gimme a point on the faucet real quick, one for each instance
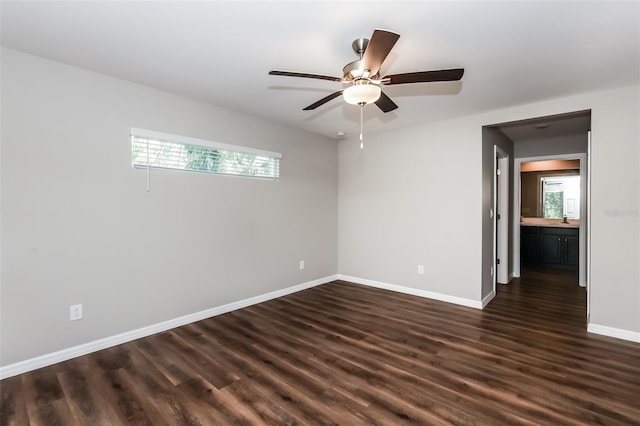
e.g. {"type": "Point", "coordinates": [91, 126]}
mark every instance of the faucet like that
{"type": "Point", "coordinates": [564, 219]}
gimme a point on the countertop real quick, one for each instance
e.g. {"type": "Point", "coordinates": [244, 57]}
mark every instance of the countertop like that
{"type": "Point", "coordinates": [552, 223]}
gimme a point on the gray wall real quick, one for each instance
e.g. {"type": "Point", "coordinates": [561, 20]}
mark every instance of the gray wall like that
{"type": "Point", "coordinates": [79, 227]}
{"type": "Point", "coordinates": [412, 197]}
{"type": "Point", "coordinates": [415, 196]}
{"type": "Point", "coordinates": [550, 146]}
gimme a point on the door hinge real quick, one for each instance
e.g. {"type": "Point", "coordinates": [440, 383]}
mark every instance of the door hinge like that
{"type": "Point", "coordinates": [498, 216]}
{"type": "Point", "coordinates": [497, 261]}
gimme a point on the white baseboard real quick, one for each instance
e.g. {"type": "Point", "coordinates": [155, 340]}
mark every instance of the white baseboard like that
{"type": "Point", "coordinates": [618, 333]}
{"type": "Point", "coordinates": [415, 292]}
{"type": "Point", "coordinates": [87, 348]}
{"type": "Point", "coordinates": [488, 298]}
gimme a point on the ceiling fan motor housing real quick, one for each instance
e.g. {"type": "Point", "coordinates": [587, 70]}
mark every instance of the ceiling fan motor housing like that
{"type": "Point", "coordinates": [353, 71]}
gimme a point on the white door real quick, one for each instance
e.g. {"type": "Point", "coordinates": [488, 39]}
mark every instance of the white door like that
{"type": "Point", "coordinates": [501, 216]}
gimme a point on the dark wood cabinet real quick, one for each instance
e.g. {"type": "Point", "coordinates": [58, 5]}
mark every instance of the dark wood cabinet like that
{"type": "Point", "coordinates": [551, 249]}
{"type": "Point", "coordinates": [549, 246]}
{"type": "Point", "coordinates": [571, 250]}
{"type": "Point", "coordinates": [529, 245]}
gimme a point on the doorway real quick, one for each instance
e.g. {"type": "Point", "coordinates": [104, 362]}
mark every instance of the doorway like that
{"type": "Point", "coordinates": [561, 136]}
{"type": "Point", "coordinates": [579, 222]}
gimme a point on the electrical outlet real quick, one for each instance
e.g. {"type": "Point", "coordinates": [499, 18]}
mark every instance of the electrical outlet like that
{"type": "Point", "coordinates": [75, 312]}
{"type": "Point", "coordinates": [420, 269]}
{"type": "Point", "coordinates": [301, 264]}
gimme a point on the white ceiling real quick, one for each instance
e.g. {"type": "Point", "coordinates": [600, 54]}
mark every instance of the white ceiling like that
{"type": "Point", "coordinates": [220, 52]}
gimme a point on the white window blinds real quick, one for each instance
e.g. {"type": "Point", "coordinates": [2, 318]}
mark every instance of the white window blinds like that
{"type": "Point", "coordinates": [156, 150]}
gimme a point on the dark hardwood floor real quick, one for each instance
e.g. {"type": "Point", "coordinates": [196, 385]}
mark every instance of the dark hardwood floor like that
{"type": "Point", "coordinates": [346, 354]}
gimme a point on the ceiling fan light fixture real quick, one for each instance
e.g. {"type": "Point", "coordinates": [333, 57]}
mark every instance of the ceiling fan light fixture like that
{"type": "Point", "coordinates": [361, 94]}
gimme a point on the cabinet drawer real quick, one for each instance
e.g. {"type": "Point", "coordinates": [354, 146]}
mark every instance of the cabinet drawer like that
{"type": "Point", "coordinates": [529, 230]}
{"type": "Point", "coordinates": [569, 232]}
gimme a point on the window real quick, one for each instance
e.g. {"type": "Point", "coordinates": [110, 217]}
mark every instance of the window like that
{"type": "Point", "coordinates": [156, 150]}
{"type": "Point", "coordinates": [553, 204]}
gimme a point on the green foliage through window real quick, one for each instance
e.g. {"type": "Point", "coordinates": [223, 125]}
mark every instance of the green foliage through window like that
{"type": "Point", "coordinates": [181, 156]}
{"type": "Point", "coordinates": [553, 205]}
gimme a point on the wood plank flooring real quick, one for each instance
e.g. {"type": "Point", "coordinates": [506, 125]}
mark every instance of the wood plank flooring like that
{"type": "Point", "coordinates": [346, 354]}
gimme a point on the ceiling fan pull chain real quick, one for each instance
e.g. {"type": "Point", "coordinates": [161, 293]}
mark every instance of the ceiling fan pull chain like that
{"type": "Point", "coordinates": [361, 115]}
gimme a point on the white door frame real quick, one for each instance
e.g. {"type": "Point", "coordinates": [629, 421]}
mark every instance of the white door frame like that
{"type": "Point", "coordinates": [501, 209]}
{"type": "Point", "coordinates": [584, 213]}
{"type": "Point", "coordinates": [588, 223]}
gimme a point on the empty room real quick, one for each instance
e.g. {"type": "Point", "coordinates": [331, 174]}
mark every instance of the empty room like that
{"type": "Point", "coordinates": [318, 212]}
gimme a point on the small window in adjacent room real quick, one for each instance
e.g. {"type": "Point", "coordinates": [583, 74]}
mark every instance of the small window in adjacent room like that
{"type": "Point", "coordinates": [156, 150]}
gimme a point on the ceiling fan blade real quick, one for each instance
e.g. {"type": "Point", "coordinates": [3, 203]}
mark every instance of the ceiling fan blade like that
{"type": "Point", "coordinates": [385, 103]}
{"type": "Point", "coordinates": [305, 75]}
{"type": "Point", "coordinates": [323, 101]}
{"type": "Point", "coordinates": [424, 76]}
{"type": "Point", "coordinates": [377, 50]}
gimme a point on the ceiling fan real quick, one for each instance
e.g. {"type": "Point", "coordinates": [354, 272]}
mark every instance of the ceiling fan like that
{"type": "Point", "coordinates": [363, 75]}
